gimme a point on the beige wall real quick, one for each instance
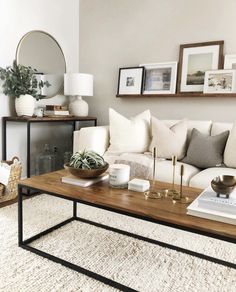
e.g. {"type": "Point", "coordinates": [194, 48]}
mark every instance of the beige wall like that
{"type": "Point", "coordinates": [120, 33]}
{"type": "Point", "coordinates": [60, 19]}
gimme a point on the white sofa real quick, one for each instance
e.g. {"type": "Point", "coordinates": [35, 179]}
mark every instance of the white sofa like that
{"type": "Point", "coordinates": [97, 139]}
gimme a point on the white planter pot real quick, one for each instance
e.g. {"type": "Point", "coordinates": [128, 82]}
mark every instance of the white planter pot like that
{"type": "Point", "coordinates": [25, 105]}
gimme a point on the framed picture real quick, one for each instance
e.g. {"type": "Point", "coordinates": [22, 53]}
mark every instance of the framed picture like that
{"type": "Point", "coordinates": [220, 81]}
{"type": "Point", "coordinates": [194, 61]}
{"type": "Point", "coordinates": [230, 62]}
{"type": "Point", "coordinates": [130, 80]}
{"type": "Point", "coordinates": [160, 78]}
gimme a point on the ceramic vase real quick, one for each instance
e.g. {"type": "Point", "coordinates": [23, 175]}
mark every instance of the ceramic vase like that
{"type": "Point", "coordinates": [79, 107]}
{"type": "Point", "coordinates": [24, 105]}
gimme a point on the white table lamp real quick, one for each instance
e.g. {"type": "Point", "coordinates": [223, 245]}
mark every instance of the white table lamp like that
{"type": "Point", "coordinates": [78, 84]}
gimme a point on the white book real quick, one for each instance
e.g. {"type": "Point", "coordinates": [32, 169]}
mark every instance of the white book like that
{"type": "Point", "coordinates": [196, 209]}
{"type": "Point", "coordinates": [83, 182]}
{"type": "Point", "coordinates": [209, 200]}
{"type": "Point", "coordinates": [56, 113]}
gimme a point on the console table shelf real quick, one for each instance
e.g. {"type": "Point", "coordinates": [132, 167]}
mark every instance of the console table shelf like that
{"type": "Point", "coordinates": [33, 120]}
{"type": "Point", "coordinates": [190, 94]}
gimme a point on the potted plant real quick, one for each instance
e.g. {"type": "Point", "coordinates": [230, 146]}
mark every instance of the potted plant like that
{"type": "Point", "coordinates": [21, 83]}
{"type": "Point", "coordinates": [85, 164]}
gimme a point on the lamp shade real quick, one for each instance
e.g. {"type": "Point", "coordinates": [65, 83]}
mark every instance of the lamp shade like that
{"type": "Point", "coordinates": [78, 84]}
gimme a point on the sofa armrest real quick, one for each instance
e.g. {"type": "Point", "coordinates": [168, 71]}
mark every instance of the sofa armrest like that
{"type": "Point", "coordinates": [92, 138]}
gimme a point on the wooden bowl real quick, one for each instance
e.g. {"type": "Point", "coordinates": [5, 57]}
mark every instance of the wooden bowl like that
{"type": "Point", "coordinates": [86, 173]}
{"type": "Point", "coordinates": [223, 184]}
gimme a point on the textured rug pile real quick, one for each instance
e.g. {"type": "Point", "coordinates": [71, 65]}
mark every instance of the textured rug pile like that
{"type": "Point", "coordinates": [140, 265]}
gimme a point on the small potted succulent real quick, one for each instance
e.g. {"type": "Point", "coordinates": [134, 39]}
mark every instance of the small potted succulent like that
{"type": "Point", "coordinates": [21, 82]}
{"type": "Point", "coordinates": [86, 164]}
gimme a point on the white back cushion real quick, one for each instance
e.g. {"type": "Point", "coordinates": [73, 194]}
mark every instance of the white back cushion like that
{"type": "Point", "coordinates": [202, 126]}
{"type": "Point", "coordinates": [230, 149]}
{"type": "Point", "coordinates": [129, 135]}
{"type": "Point", "coordinates": [169, 140]}
{"type": "Point", "coordinates": [218, 128]}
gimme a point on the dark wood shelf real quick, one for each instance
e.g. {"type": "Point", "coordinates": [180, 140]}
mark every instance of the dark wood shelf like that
{"type": "Point", "coordinates": [49, 119]}
{"type": "Point", "coordinates": [187, 94]}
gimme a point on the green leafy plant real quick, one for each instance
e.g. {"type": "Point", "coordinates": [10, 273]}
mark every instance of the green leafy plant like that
{"type": "Point", "coordinates": [87, 160]}
{"type": "Point", "coordinates": [20, 80]}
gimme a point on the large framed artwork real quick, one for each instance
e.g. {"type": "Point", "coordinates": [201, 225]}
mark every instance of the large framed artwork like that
{"type": "Point", "coordinates": [160, 78]}
{"type": "Point", "coordinates": [194, 61]}
{"type": "Point", "coordinates": [130, 80]}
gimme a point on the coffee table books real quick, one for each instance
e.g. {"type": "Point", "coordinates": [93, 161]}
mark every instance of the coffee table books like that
{"type": "Point", "coordinates": [83, 182]}
{"type": "Point", "coordinates": [207, 205]}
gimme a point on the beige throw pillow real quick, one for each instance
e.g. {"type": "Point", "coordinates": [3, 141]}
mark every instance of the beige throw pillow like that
{"type": "Point", "coordinates": [129, 135]}
{"type": "Point", "coordinates": [230, 149]}
{"type": "Point", "coordinates": [169, 141]}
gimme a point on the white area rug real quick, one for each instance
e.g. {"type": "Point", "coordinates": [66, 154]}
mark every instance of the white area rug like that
{"type": "Point", "coordinates": [140, 265]}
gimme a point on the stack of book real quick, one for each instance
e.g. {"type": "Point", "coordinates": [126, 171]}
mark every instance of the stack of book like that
{"type": "Point", "coordinates": [83, 182]}
{"type": "Point", "coordinates": [209, 206]}
{"type": "Point", "coordinates": [56, 110]}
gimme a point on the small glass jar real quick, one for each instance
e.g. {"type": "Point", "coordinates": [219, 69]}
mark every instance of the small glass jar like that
{"type": "Point", "coordinates": [119, 175]}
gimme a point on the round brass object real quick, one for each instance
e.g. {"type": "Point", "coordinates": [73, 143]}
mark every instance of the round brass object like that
{"type": "Point", "coordinates": [223, 185]}
{"type": "Point", "coordinates": [86, 173]}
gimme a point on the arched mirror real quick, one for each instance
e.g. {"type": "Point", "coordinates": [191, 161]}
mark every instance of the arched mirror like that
{"type": "Point", "coordinates": [42, 52]}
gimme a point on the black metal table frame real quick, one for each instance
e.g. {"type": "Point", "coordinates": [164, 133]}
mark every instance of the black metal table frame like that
{"type": "Point", "coordinates": [28, 135]}
{"type": "Point", "coordinates": [25, 243]}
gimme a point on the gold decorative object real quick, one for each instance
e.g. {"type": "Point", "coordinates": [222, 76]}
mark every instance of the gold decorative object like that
{"type": "Point", "coordinates": [179, 196]}
{"type": "Point", "coordinates": [173, 192]}
{"type": "Point", "coordinates": [223, 185]}
{"type": "Point", "coordinates": [152, 194]}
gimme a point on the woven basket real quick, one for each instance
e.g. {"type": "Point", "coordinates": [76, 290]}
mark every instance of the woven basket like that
{"type": "Point", "coordinates": [9, 192]}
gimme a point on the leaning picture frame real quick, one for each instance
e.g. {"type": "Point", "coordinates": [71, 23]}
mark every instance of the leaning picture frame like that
{"type": "Point", "coordinates": [194, 60]}
{"type": "Point", "coordinates": [160, 78]}
{"type": "Point", "coordinates": [220, 81]}
{"type": "Point", "coordinates": [130, 81]}
{"type": "Point", "coordinates": [230, 62]}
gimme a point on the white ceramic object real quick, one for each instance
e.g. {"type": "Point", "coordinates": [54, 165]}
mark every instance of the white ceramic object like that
{"type": "Point", "coordinates": [78, 107]}
{"type": "Point", "coordinates": [24, 105]}
{"type": "Point", "coordinates": [119, 175]}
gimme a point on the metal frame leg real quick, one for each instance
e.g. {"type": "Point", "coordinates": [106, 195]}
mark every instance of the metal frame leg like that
{"type": "Point", "coordinates": [4, 139]}
{"type": "Point", "coordinates": [20, 216]}
{"type": "Point", "coordinates": [25, 244]}
{"type": "Point", "coordinates": [28, 149]}
{"type": "Point", "coordinates": [74, 209]}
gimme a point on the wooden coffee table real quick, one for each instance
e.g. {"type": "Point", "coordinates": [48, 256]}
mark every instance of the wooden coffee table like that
{"type": "Point", "coordinates": [124, 202]}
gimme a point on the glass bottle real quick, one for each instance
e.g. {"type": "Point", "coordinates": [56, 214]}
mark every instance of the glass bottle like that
{"type": "Point", "coordinates": [45, 161]}
{"type": "Point", "coordinates": [67, 156]}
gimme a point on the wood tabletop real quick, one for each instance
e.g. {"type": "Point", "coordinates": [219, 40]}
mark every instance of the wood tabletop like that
{"type": "Point", "coordinates": [49, 119]}
{"type": "Point", "coordinates": [133, 203]}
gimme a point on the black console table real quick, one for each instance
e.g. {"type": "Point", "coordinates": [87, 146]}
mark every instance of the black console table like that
{"type": "Point", "coordinates": [31, 120]}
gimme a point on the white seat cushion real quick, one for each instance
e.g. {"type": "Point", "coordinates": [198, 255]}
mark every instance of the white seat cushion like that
{"type": "Point", "coordinates": [204, 178]}
{"type": "Point", "coordinates": [164, 167]}
{"type": "Point", "coordinates": [164, 171]}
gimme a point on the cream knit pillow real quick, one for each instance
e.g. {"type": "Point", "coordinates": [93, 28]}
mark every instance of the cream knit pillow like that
{"type": "Point", "coordinates": [129, 135]}
{"type": "Point", "coordinates": [169, 141]}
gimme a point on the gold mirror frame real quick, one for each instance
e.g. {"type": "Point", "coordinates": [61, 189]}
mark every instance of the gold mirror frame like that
{"type": "Point", "coordinates": [59, 87]}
